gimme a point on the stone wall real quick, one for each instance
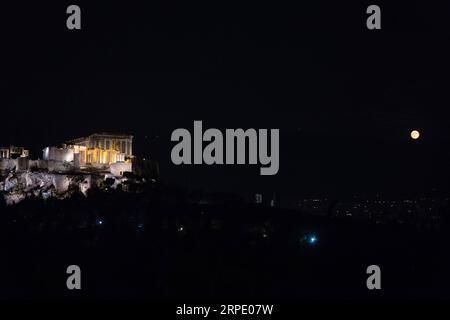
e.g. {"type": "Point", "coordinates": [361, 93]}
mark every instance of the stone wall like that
{"type": "Point", "coordinates": [22, 163]}
{"type": "Point", "coordinates": [59, 166]}
{"type": "Point", "coordinates": [118, 169]}
{"type": "Point", "coordinates": [58, 154]}
{"type": "Point", "coordinates": [7, 164]}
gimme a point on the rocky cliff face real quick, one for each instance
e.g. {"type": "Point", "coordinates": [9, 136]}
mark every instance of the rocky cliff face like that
{"type": "Point", "coordinates": [17, 186]}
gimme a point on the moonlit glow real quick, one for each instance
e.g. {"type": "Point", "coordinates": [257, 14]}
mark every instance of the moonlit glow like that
{"type": "Point", "coordinates": [415, 134]}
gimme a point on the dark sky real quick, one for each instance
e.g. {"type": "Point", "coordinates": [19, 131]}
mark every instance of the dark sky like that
{"type": "Point", "coordinates": [343, 97]}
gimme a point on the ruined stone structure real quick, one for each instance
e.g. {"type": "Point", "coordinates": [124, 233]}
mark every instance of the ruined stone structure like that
{"type": "Point", "coordinates": [78, 164]}
{"type": "Point", "coordinates": [13, 152]}
{"type": "Point", "coordinates": [102, 151]}
{"type": "Point", "coordinates": [103, 148]}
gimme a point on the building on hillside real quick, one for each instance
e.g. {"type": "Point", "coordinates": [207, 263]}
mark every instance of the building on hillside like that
{"type": "Point", "coordinates": [103, 148]}
{"type": "Point", "coordinates": [101, 151]}
{"type": "Point", "coordinates": [13, 152]}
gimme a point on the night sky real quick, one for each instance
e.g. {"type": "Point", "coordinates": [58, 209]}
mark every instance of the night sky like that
{"type": "Point", "coordinates": [344, 98]}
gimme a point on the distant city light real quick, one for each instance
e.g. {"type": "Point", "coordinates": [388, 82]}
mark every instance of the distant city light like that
{"type": "Point", "coordinates": [309, 239]}
{"type": "Point", "coordinates": [99, 222]}
{"type": "Point", "coordinates": [140, 228]}
{"type": "Point", "coordinates": [312, 239]}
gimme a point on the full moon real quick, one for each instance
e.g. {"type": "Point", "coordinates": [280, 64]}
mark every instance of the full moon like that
{"type": "Point", "coordinates": [415, 134]}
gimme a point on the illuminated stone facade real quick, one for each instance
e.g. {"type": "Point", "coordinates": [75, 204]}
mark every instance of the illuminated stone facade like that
{"type": "Point", "coordinates": [100, 151]}
{"type": "Point", "coordinates": [103, 149]}
{"type": "Point", "coordinates": [13, 152]}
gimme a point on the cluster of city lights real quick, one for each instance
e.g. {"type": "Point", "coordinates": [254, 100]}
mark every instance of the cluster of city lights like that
{"type": "Point", "coordinates": [310, 239]}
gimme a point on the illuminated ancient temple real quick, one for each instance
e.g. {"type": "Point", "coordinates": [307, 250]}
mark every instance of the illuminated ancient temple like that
{"type": "Point", "coordinates": [101, 151]}
{"type": "Point", "coordinates": [103, 148]}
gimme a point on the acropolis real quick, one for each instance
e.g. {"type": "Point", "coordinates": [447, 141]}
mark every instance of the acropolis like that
{"type": "Point", "coordinates": [98, 152]}
{"type": "Point", "coordinates": [78, 164]}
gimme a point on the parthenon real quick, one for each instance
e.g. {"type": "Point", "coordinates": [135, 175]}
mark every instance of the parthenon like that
{"type": "Point", "coordinates": [103, 148]}
{"type": "Point", "coordinates": [101, 152]}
